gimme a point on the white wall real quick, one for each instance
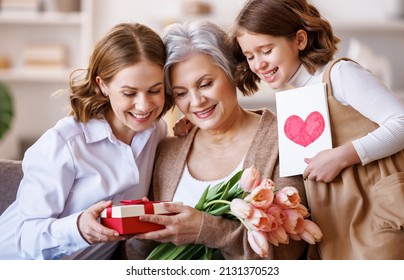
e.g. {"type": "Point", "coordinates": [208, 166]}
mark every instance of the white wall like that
{"type": "Point", "coordinates": [348, 10]}
{"type": "Point", "coordinates": [343, 14]}
{"type": "Point", "coordinates": [386, 39]}
{"type": "Point", "coordinates": [372, 23]}
{"type": "Point", "coordinates": [154, 13]}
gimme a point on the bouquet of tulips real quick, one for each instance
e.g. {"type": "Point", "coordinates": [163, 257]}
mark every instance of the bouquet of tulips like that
{"type": "Point", "coordinates": [270, 216]}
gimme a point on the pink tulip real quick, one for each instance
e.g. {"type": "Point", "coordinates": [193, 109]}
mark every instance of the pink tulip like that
{"type": "Point", "coordinates": [311, 232]}
{"type": "Point", "coordinates": [288, 197]}
{"type": "Point", "coordinates": [295, 237]}
{"type": "Point", "coordinates": [240, 208]}
{"type": "Point", "coordinates": [258, 242]}
{"type": "Point", "coordinates": [293, 222]}
{"type": "Point", "coordinates": [250, 179]}
{"type": "Point", "coordinates": [272, 239]}
{"type": "Point", "coordinates": [278, 236]}
{"type": "Point", "coordinates": [275, 211]}
{"type": "Point", "coordinates": [302, 210]}
{"type": "Point", "coordinates": [268, 182]}
{"type": "Point", "coordinates": [258, 220]}
{"type": "Point", "coordinates": [271, 224]}
{"type": "Point", "coordinates": [261, 196]}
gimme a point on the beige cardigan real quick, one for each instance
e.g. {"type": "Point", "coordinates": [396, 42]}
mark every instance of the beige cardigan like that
{"type": "Point", "coordinates": [229, 236]}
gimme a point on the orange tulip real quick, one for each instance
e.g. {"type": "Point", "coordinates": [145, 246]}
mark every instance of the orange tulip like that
{"type": "Point", "coordinates": [250, 179]}
{"type": "Point", "coordinates": [258, 242]}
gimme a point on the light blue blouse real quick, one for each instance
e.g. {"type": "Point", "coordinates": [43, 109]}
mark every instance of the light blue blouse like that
{"type": "Point", "coordinates": [71, 167]}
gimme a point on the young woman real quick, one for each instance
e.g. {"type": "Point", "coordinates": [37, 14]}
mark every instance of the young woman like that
{"type": "Point", "coordinates": [225, 139]}
{"type": "Point", "coordinates": [356, 189]}
{"type": "Point", "coordinates": [101, 154]}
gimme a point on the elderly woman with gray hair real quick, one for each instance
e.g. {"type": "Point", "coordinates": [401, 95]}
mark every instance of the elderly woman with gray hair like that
{"type": "Point", "coordinates": [225, 139]}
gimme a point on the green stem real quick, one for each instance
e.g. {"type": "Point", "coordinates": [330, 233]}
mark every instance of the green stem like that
{"type": "Point", "coordinates": [228, 212]}
{"type": "Point", "coordinates": [241, 220]}
{"type": "Point", "coordinates": [217, 201]}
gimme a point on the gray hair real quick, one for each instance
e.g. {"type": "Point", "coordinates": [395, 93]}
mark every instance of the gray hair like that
{"type": "Point", "coordinates": [203, 37]}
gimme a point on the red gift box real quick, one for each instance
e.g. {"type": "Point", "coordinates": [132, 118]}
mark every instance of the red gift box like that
{"type": "Point", "coordinates": [125, 218]}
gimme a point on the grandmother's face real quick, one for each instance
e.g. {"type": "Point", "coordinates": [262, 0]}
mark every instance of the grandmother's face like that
{"type": "Point", "coordinates": [203, 92]}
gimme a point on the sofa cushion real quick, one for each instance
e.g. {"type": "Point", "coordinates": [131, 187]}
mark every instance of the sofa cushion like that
{"type": "Point", "coordinates": [10, 177]}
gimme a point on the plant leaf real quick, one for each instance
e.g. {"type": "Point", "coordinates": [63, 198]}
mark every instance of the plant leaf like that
{"type": "Point", "coordinates": [6, 109]}
{"type": "Point", "coordinates": [162, 252]}
{"type": "Point", "coordinates": [191, 252]}
{"type": "Point", "coordinates": [199, 205]}
{"type": "Point", "coordinates": [221, 191]}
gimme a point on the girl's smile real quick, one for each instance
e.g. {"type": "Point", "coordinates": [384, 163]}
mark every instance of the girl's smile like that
{"type": "Point", "coordinates": [273, 59]}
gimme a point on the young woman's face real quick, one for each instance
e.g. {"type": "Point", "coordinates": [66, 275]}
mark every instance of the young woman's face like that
{"type": "Point", "coordinates": [203, 92]}
{"type": "Point", "coordinates": [136, 95]}
{"type": "Point", "coordinates": [273, 59]}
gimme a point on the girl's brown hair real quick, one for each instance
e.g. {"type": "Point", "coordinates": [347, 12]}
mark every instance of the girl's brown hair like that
{"type": "Point", "coordinates": [283, 18]}
{"type": "Point", "coordinates": [124, 45]}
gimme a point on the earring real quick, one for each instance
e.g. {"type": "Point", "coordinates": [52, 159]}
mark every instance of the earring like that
{"type": "Point", "coordinates": [105, 93]}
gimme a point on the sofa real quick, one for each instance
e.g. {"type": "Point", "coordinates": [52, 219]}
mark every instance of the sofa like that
{"type": "Point", "coordinates": [10, 177]}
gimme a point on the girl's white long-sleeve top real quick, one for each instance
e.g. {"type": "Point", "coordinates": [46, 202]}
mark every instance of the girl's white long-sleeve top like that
{"type": "Point", "coordinates": [71, 167]}
{"type": "Point", "coordinates": [354, 85]}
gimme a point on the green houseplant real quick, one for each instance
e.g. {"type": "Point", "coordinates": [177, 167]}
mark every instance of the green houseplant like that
{"type": "Point", "coordinates": [6, 109]}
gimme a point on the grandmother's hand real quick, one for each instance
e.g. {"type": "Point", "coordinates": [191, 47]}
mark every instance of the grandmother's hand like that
{"type": "Point", "coordinates": [182, 127]}
{"type": "Point", "coordinates": [181, 228]}
{"type": "Point", "coordinates": [91, 230]}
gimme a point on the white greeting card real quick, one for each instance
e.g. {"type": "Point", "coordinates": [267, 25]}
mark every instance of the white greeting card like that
{"type": "Point", "coordinates": [303, 126]}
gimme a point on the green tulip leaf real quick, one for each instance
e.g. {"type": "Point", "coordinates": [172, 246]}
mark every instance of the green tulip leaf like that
{"type": "Point", "coordinates": [225, 191]}
{"type": "Point", "coordinates": [6, 110]}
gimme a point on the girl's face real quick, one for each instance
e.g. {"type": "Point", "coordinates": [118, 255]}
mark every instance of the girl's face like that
{"type": "Point", "coordinates": [136, 95]}
{"type": "Point", "coordinates": [274, 59]}
{"type": "Point", "coordinates": [203, 92]}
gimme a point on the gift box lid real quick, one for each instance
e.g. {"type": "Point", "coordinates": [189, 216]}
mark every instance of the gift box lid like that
{"type": "Point", "coordinates": [136, 208]}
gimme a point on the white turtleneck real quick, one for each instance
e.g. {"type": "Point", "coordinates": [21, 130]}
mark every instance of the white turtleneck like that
{"type": "Point", "coordinates": [354, 85]}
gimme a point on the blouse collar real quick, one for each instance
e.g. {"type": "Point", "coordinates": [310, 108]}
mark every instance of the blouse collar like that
{"type": "Point", "coordinates": [300, 78]}
{"type": "Point", "coordinates": [99, 129]}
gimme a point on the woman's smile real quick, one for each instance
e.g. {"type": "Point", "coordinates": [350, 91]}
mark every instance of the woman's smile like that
{"type": "Point", "coordinates": [141, 117]}
{"type": "Point", "coordinates": [205, 113]}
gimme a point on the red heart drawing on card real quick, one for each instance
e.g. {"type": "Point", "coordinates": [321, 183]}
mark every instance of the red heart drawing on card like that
{"type": "Point", "coordinates": [304, 132]}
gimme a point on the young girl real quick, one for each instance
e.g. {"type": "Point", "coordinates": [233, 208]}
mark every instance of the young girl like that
{"type": "Point", "coordinates": [102, 153]}
{"type": "Point", "coordinates": [355, 190]}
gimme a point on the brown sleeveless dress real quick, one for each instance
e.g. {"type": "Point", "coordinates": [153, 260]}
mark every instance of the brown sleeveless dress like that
{"type": "Point", "coordinates": [361, 213]}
